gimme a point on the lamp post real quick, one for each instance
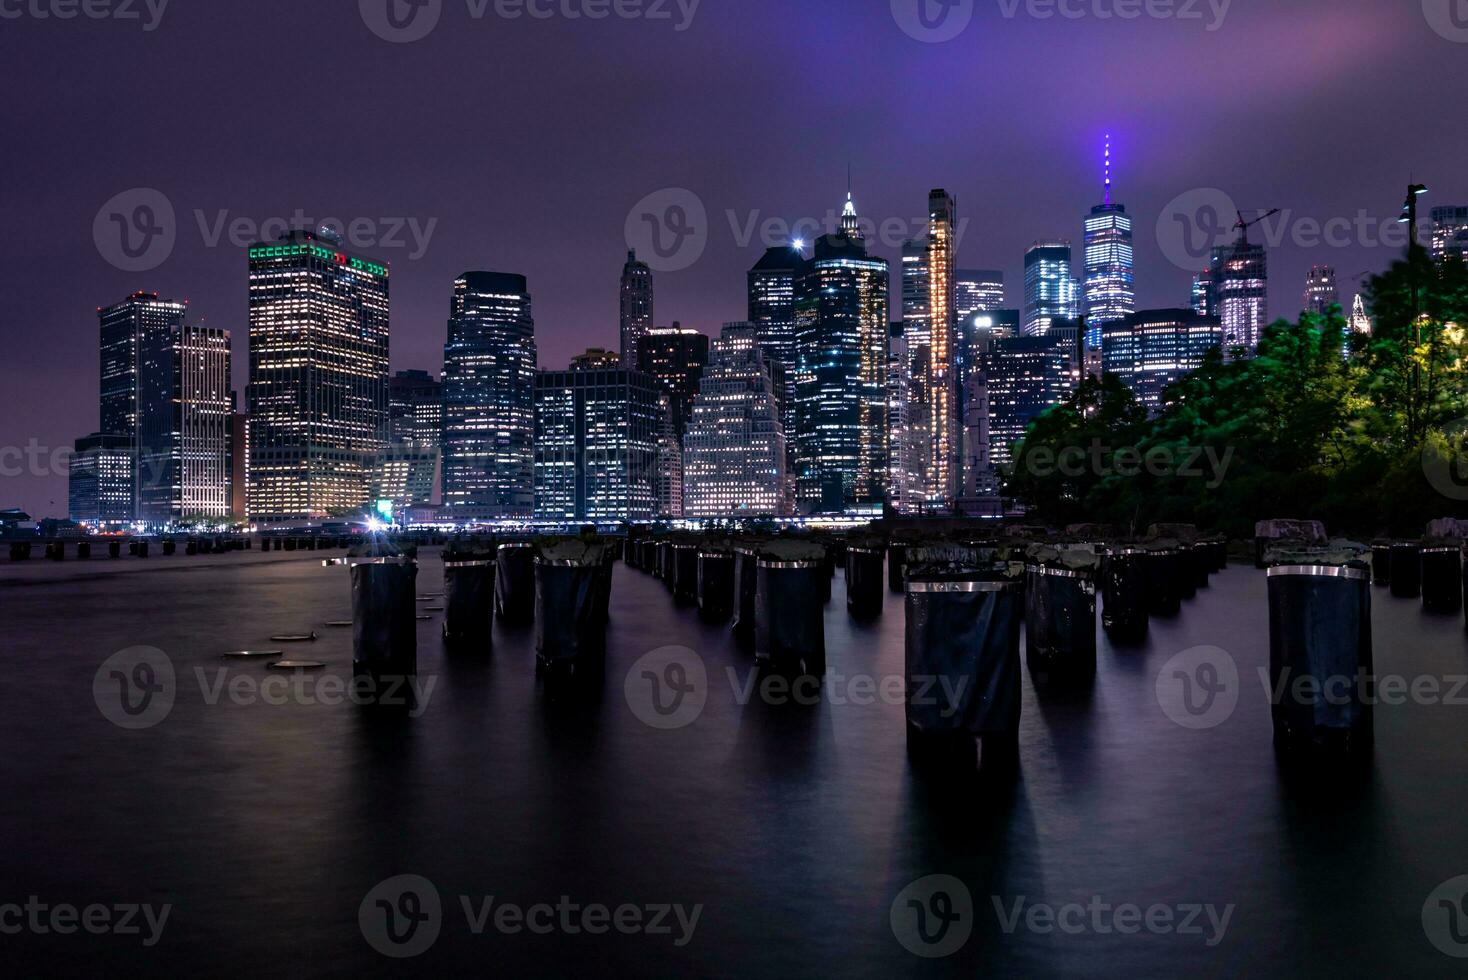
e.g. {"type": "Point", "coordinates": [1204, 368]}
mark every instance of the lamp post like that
{"type": "Point", "coordinates": [1409, 217]}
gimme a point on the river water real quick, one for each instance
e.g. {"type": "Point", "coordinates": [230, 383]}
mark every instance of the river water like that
{"type": "Point", "coordinates": [790, 828]}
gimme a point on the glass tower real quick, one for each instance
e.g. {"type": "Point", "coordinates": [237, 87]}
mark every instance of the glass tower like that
{"type": "Point", "coordinates": [636, 297]}
{"type": "Point", "coordinates": [1050, 287]}
{"type": "Point", "coordinates": [1153, 349]}
{"type": "Point", "coordinates": [942, 381]}
{"type": "Point", "coordinates": [1110, 290]}
{"type": "Point", "coordinates": [1240, 290]}
{"type": "Point", "coordinates": [489, 398]}
{"type": "Point", "coordinates": [185, 406]}
{"type": "Point", "coordinates": [318, 376]}
{"type": "Point", "coordinates": [1321, 292]}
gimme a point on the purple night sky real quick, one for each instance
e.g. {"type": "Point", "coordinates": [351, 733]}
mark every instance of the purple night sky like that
{"type": "Point", "coordinates": [526, 143]}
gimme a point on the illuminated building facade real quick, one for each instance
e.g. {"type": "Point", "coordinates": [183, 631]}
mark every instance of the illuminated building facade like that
{"type": "Point", "coordinates": [1203, 298]}
{"type": "Point", "coordinates": [675, 356]}
{"type": "Point", "coordinates": [489, 366]}
{"type": "Point", "coordinates": [100, 479]}
{"type": "Point", "coordinates": [912, 443]}
{"type": "Point", "coordinates": [734, 450]}
{"type": "Point", "coordinates": [1449, 232]}
{"type": "Point", "coordinates": [772, 310]}
{"type": "Point", "coordinates": [668, 479]}
{"type": "Point", "coordinates": [1110, 287]}
{"type": "Point", "coordinates": [185, 405]}
{"type": "Point", "coordinates": [1240, 275]}
{"type": "Point", "coordinates": [595, 441]}
{"type": "Point", "coordinates": [942, 363]}
{"type": "Point", "coordinates": [1024, 376]}
{"type": "Point", "coordinates": [1153, 349]}
{"type": "Point", "coordinates": [1050, 287]}
{"type": "Point", "coordinates": [841, 325]}
{"type": "Point", "coordinates": [977, 338]}
{"type": "Point", "coordinates": [899, 484]}
{"type": "Point", "coordinates": [977, 291]}
{"type": "Point", "coordinates": [637, 307]}
{"type": "Point", "coordinates": [318, 376]}
{"type": "Point", "coordinates": [1321, 291]}
{"type": "Point", "coordinates": [415, 408]}
{"type": "Point", "coordinates": [122, 327]}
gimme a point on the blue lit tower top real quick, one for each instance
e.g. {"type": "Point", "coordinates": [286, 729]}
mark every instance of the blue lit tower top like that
{"type": "Point", "coordinates": [1109, 284]}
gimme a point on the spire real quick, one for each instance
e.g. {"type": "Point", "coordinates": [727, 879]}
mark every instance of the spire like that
{"type": "Point", "coordinates": [1108, 170]}
{"type": "Point", "coordinates": [849, 223]}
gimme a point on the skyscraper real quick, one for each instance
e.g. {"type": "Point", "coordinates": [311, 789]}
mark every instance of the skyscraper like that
{"type": "Point", "coordinates": [1360, 321]}
{"type": "Point", "coordinates": [942, 382]}
{"type": "Point", "coordinates": [734, 451]}
{"type": "Point", "coordinates": [183, 427]}
{"type": "Point", "coordinates": [675, 356]}
{"type": "Point", "coordinates": [1110, 294]}
{"type": "Point", "coordinates": [595, 441]}
{"type": "Point", "coordinates": [100, 480]}
{"type": "Point", "coordinates": [489, 398]}
{"type": "Point", "coordinates": [637, 308]}
{"type": "Point", "coordinates": [977, 291]}
{"type": "Point", "coordinates": [841, 326]}
{"type": "Point", "coordinates": [1203, 299]}
{"type": "Point", "coordinates": [1449, 231]}
{"type": "Point", "coordinates": [122, 327]}
{"type": "Point", "coordinates": [981, 477]}
{"type": "Point", "coordinates": [415, 408]}
{"type": "Point", "coordinates": [1153, 349]}
{"type": "Point", "coordinates": [1321, 292]}
{"type": "Point", "coordinates": [772, 311]}
{"type": "Point", "coordinates": [1050, 287]}
{"type": "Point", "coordinates": [1240, 274]}
{"type": "Point", "coordinates": [668, 477]}
{"type": "Point", "coordinates": [1025, 376]}
{"type": "Point", "coordinates": [900, 488]}
{"type": "Point", "coordinates": [318, 376]}
{"type": "Point", "coordinates": [915, 438]}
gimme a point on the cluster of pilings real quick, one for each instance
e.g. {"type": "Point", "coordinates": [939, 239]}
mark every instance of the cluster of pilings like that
{"type": "Point", "coordinates": [82, 549]}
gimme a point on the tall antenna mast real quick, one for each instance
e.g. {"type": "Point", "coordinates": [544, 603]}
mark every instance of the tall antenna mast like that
{"type": "Point", "coordinates": [1108, 170]}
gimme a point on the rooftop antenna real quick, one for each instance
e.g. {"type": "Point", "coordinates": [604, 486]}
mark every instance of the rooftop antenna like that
{"type": "Point", "coordinates": [1108, 170]}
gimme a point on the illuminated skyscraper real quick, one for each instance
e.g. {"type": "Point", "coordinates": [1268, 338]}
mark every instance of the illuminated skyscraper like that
{"type": "Point", "coordinates": [1449, 232]}
{"type": "Point", "coordinates": [977, 291]}
{"type": "Point", "coordinates": [1153, 349]}
{"type": "Point", "coordinates": [1241, 287]}
{"type": "Point", "coordinates": [1024, 376]}
{"type": "Point", "coordinates": [915, 438]}
{"type": "Point", "coordinates": [981, 477]}
{"type": "Point", "coordinates": [183, 436]}
{"type": "Point", "coordinates": [1321, 292]}
{"type": "Point", "coordinates": [1110, 294]}
{"type": "Point", "coordinates": [415, 408]}
{"type": "Point", "coordinates": [900, 490]}
{"type": "Point", "coordinates": [734, 450]}
{"type": "Point", "coordinates": [122, 326]}
{"type": "Point", "coordinates": [1050, 287]}
{"type": "Point", "coordinates": [318, 376]}
{"type": "Point", "coordinates": [675, 356]}
{"type": "Point", "coordinates": [489, 398]}
{"type": "Point", "coordinates": [942, 382]}
{"type": "Point", "coordinates": [1203, 299]}
{"type": "Point", "coordinates": [595, 441]}
{"type": "Point", "coordinates": [772, 311]}
{"type": "Point", "coordinates": [841, 325]}
{"type": "Point", "coordinates": [101, 483]}
{"type": "Point", "coordinates": [637, 309]}
{"type": "Point", "coordinates": [1360, 321]}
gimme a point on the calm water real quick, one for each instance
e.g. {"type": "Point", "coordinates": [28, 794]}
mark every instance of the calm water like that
{"type": "Point", "coordinates": [795, 827]}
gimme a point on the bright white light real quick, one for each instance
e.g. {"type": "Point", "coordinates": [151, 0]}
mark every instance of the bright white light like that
{"type": "Point", "coordinates": [799, 244]}
{"type": "Point", "coordinates": [374, 525]}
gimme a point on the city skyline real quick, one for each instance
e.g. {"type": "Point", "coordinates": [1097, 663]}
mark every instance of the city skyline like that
{"type": "Point", "coordinates": [497, 211]}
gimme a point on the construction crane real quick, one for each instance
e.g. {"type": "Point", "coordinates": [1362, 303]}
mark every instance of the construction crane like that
{"type": "Point", "coordinates": [1243, 226]}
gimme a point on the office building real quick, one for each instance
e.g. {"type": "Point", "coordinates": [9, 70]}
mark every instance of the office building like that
{"type": "Point", "coordinates": [772, 310]}
{"type": "Point", "coordinates": [915, 445]}
{"type": "Point", "coordinates": [668, 476]}
{"type": "Point", "coordinates": [317, 398]}
{"type": "Point", "coordinates": [1154, 349]}
{"type": "Point", "coordinates": [841, 326]}
{"type": "Point", "coordinates": [415, 408]}
{"type": "Point", "coordinates": [636, 305]}
{"type": "Point", "coordinates": [977, 291]}
{"type": "Point", "coordinates": [1240, 290]}
{"type": "Point", "coordinates": [100, 480]}
{"type": "Point", "coordinates": [489, 367]}
{"type": "Point", "coordinates": [942, 362]}
{"type": "Point", "coordinates": [184, 411]}
{"type": "Point", "coordinates": [122, 325]}
{"type": "Point", "coordinates": [1203, 299]}
{"type": "Point", "coordinates": [1024, 376]}
{"type": "Point", "coordinates": [980, 474]}
{"type": "Point", "coordinates": [1321, 292]}
{"type": "Point", "coordinates": [734, 450]}
{"type": "Point", "coordinates": [596, 428]}
{"type": "Point", "coordinates": [675, 356]}
{"type": "Point", "coordinates": [1050, 287]}
{"type": "Point", "coordinates": [1449, 232]}
{"type": "Point", "coordinates": [1109, 285]}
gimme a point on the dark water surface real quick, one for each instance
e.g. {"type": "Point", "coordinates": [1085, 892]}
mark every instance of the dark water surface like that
{"type": "Point", "coordinates": [794, 827]}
